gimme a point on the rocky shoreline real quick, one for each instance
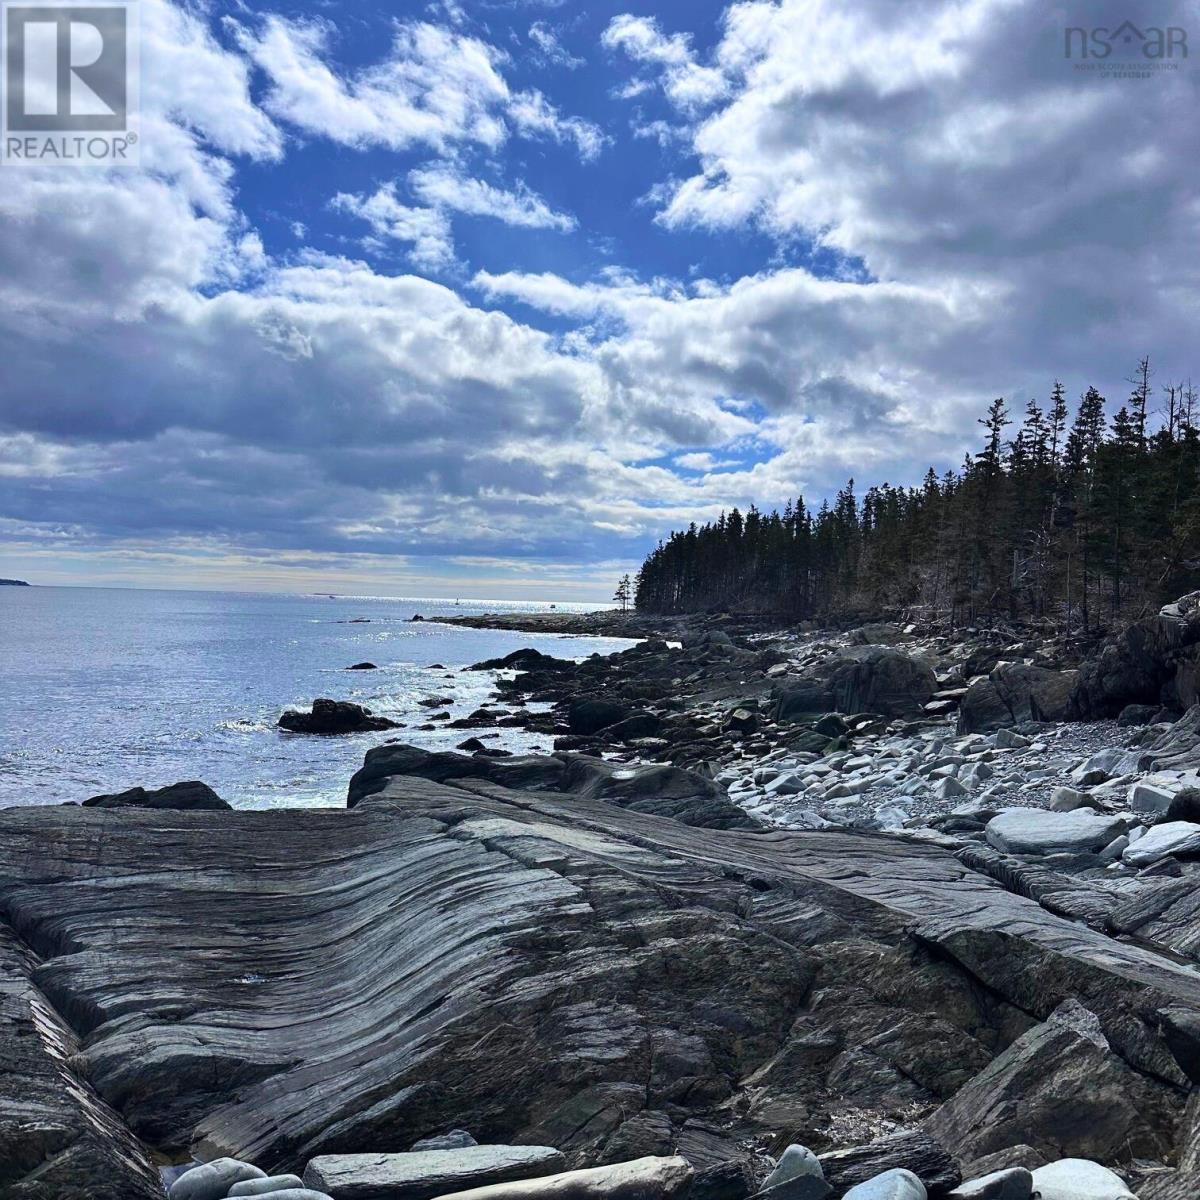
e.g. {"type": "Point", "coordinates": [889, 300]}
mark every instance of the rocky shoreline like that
{"type": "Point", "coordinates": [804, 916]}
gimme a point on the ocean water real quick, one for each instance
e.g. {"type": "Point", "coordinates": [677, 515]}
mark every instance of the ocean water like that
{"type": "Point", "coordinates": [106, 689]}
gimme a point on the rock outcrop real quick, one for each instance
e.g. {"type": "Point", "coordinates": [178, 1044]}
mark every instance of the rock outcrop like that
{"type": "Point", "coordinates": [1155, 661]}
{"type": "Point", "coordinates": [183, 797]}
{"type": "Point", "coordinates": [546, 967]}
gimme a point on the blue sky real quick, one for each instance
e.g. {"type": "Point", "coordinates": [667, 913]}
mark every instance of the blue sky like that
{"type": "Point", "coordinates": [483, 298]}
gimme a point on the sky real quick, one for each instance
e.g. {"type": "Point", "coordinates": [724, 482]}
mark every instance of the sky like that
{"type": "Point", "coordinates": [484, 298]}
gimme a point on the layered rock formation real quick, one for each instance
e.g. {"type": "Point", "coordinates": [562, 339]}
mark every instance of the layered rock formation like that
{"type": "Point", "coordinates": [544, 967]}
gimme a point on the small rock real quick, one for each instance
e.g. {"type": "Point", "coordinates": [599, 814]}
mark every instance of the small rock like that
{"type": "Point", "coordinates": [1065, 799]}
{"type": "Point", "coordinates": [213, 1180]}
{"type": "Point", "coordinates": [362, 666]}
{"type": "Point", "coordinates": [1013, 1184]}
{"type": "Point", "coordinates": [1078, 1179]}
{"type": "Point", "coordinates": [891, 1185]}
{"type": "Point", "coordinates": [948, 788]}
{"type": "Point", "coordinates": [456, 1139]}
{"type": "Point", "coordinates": [263, 1187]}
{"type": "Point", "coordinates": [1185, 806]}
{"type": "Point", "coordinates": [1150, 797]}
{"type": "Point", "coordinates": [1007, 740]}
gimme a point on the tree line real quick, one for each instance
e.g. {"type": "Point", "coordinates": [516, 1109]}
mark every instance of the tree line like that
{"type": "Point", "coordinates": [1069, 517]}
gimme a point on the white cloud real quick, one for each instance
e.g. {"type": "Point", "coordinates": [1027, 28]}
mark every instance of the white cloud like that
{"type": "Point", "coordinates": [550, 51]}
{"type": "Point", "coordinates": [689, 85]}
{"type": "Point", "coordinates": [427, 230]}
{"type": "Point", "coordinates": [438, 87]}
{"type": "Point", "coordinates": [444, 188]}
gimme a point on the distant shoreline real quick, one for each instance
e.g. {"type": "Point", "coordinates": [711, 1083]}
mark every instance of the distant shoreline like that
{"type": "Point", "coordinates": [13, 583]}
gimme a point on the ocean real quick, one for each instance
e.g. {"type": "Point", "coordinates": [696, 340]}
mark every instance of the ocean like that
{"type": "Point", "coordinates": [108, 689]}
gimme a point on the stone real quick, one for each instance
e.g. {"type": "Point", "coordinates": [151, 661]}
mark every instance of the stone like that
{"type": "Point", "coordinates": [429, 1173]}
{"type": "Point", "coordinates": [948, 788]}
{"type": "Point", "coordinates": [913, 1152]}
{"type": "Point", "coordinates": [1185, 806]}
{"type": "Point", "coordinates": [264, 1187]}
{"type": "Point", "coordinates": [796, 1161]}
{"type": "Point", "coordinates": [1006, 739]}
{"type": "Point", "coordinates": [213, 1180]}
{"type": "Point", "coordinates": [641, 1179]}
{"type": "Point", "coordinates": [1016, 1183]}
{"type": "Point", "coordinates": [1105, 765]}
{"type": "Point", "coordinates": [300, 1193]}
{"type": "Point", "coordinates": [741, 720]}
{"type": "Point", "coordinates": [1065, 799]}
{"type": "Point", "coordinates": [330, 717]}
{"type": "Point", "coordinates": [797, 700]}
{"type": "Point", "coordinates": [591, 716]}
{"type": "Point", "coordinates": [363, 666]}
{"type": "Point", "coordinates": [191, 796]}
{"type": "Point", "coordinates": [1177, 839]}
{"type": "Point", "coordinates": [831, 725]}
{"type": "Point", "coordinates": [1149, 797]}
{"type": "Point", "coordinates": [891, 1185]}
{"type": "Point", "coordinates": [636, 725]}
{"type": "Point", "coordinates": [456, 1139]}
{"type": "Point", "coordinates": [1077, 1179]}
{"type": "Point", "coordinates": [1032, 831]}
{"type": "Point", "coordinates": [1061, 1089]}
{"type": "Point", "coordinates": [1133, 715]}
{"type": "Point", "coordinates": [878, 679]}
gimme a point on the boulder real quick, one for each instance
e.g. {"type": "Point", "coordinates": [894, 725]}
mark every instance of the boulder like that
{"type": "Point", "coordinates": [1060, 1089]}
{"type": "Point", "coordinates": [191, 796]}
{"type": "Point", "coordinates": [1185, 806]}
{"type": "Point", "coordinates": [1015, 1183]}
{"type": "Point", "coordinates": [797, 1176]}
{"type": "Point", "coordinates": [429, 1173]}
{"type": "Point", "coordinates": [1033, 831]}
{"type": "Point", "coordinates": [1133, 715]}
{"type": "Point", "coordinates": [363, 666]}
{"type": "Point", "coordinates": [637, 725]}
{"type": "Point", "coordinates": [1015, 693]}
{"type": "Point", "coordinates": [891, 1185]}
{"type": "Point", "coordinates": [334, 717]}
{"type": "Point", "coordinates": [213, 1180]}
{"type": "Point", "coordinates": [879, 679]}
{"type": "Point", "coordinates": [1151, 663]}
{"type": "Point", "coordinates": [641, 1179]}
{"type": "Point", "coordinates": [591, 716]}
{"type": "Point", "coordinates": [1173, 839]}
{"type": "Point", "coordinates": [1077, 1179]}
{"type": "Point", "coordinates": [265, 1187]}
{"type": "Point", "coordinates": [799, 700]}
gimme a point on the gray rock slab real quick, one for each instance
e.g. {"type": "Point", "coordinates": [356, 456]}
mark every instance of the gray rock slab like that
{"type": "Point", "coordinates": [1179, 838]}
{"type": "Point", "coordinates": [427, 1173]}
{"type": "Point", "coordinates": [1033, 831]}
{"type": "Point", "coordinates": [641, 1179]}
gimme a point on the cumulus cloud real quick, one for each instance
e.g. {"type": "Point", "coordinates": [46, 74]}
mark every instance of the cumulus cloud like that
{"type": "Point", "coordinates": [985, 218]}
{"type": "Point", "coordinates": [438, 87]}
